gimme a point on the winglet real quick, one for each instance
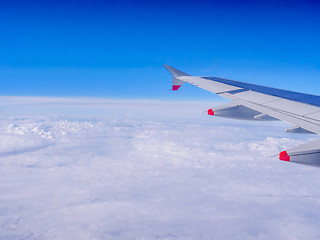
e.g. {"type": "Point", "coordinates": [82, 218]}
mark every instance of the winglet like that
{"type": "Point", "coordinates": [176, 83]}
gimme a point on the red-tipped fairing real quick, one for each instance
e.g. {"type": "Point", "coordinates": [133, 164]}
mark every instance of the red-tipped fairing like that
{"type": "Point", "coordinates": [210, 112]}
{"type": "Point", "coordinates": [283, 156]}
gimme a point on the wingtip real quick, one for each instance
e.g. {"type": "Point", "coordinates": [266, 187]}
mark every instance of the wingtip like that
{"type": "Point", "coordinates": [166, 67]}
{"type": "Point", "coordinates": [175, 72]}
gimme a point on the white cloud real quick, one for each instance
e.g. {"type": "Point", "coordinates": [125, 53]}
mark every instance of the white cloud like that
{"type": "Point", "coordinates": [106, 169]}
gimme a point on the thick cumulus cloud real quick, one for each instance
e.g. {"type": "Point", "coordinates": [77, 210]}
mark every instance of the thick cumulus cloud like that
{"type": "Point", "coordinates": [106, 169]}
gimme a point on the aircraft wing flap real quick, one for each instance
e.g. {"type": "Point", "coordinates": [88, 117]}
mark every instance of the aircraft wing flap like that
{"type": "Point", "coordinates": [289, 106]}
{"type": "Point", "coordinates": [301, 109]}
{"type": "Point", "coordinates": [315, 116]}
{"type": "Point", "coordinates": [308, 124]}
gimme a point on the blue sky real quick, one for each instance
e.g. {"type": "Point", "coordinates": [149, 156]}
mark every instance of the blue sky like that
{"type": "Point", "coordinates": [117, 48]}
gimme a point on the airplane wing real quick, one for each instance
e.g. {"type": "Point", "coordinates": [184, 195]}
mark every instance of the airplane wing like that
{"type": "Point", "coordinates": [255, 102]}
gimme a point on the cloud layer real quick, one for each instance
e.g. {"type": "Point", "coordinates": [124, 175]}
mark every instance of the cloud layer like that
{"type": "Point", "coordinates": [107, 169]}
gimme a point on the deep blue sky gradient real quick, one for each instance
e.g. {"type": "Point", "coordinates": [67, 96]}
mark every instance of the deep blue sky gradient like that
{"type": "Point", "coordinates": [116, 48]}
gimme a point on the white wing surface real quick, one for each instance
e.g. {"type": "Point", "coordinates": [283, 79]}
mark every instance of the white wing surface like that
{"type": "Point", "coordinates": [254, 102]}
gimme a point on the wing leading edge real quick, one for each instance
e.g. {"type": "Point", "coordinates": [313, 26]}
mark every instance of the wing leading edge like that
{"type": "Point", "coordinates": [255, 102]}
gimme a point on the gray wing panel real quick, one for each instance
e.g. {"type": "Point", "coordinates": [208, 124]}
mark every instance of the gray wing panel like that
{"type": "Point", "coordinates": [299, 113]}
{"type": "Point", "coordinates": [314, 116]}
{"type": "Point", "coordinates": [278, 103]}
{"type": "Point", "coordinates": [301, 121]}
